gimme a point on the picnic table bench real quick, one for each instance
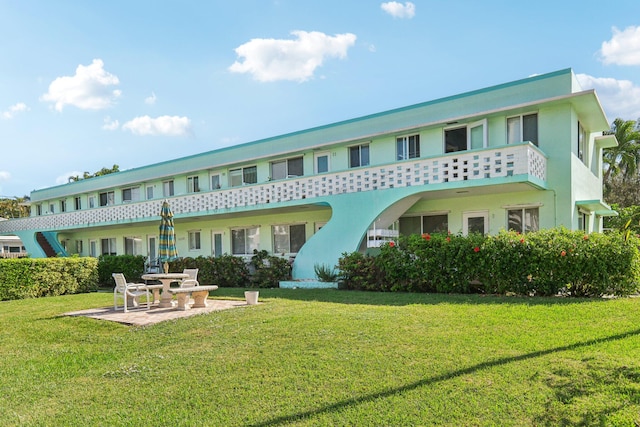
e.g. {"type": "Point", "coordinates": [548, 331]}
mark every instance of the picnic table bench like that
{"type": "Point", "coordinates": [156, 291]}
{"type": "Point", "coordinates": [199, 294]}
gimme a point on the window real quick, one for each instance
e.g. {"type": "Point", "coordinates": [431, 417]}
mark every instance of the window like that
{"type": "Point", "coordinates": [217, 243]}
{"type": "Point", "coordinates": [132, 246]}
{"type": "Point", "coordinates": [475, 222]}
{"type": "Point", "coordinates": [108, 246]}
{"type": "Point", "coordinates": [583, 221]}
{"type": "Point", "coordinates": [93, 251]}
{"type": "Point", "coordinates": [131, 194]}
{"type": "Point", "coordinates": [455, 140]}
{"type": "Point", "coordinates": [359, 156]}
{"type": "Point", "coordinates": [92, 201]}
{"type": "Point", "coordinates": [408, 147]}
{"type": "Point", "coordinates": [149, 192]}
{"type": "Point", "coordinates": [38, 210]}
{"type": "Point", "coordinates": [522, 128]}
{"type": "Point", "coordinates": [167, 188]}
{"type": "Point", "coordinates": [322, 162]}
{"type": "Point", "coordinates": [215, 182]}
{"type": "Point", "coordinates": [435, 223]}
{"type": "Point", "coordinates": [582, 140]}
{"type": "Point", "coordinates": [288, 238]}
{"type": "Point", "coordinates": [286, 168]}
{"type": "Point", "coordinates": [77, 203]}
{"type": "Point", "coordinates": [63, 205]}
{"type": "Point", "coordinates": [243, 176]}
{"type": "Point", "coordinates": [469, 137]}
{"type": "Point", "coordinates": [152, 248]}
{"type": "Point", "coordinates": [523, 220]}
{"type": "Point", "coordinates": [194, 240]}
{"type": "Point", "coordinates": [245, 240]}
{"type": "Point", "coordinates": [192, 184]}
{"type": "Point", "coordinates": [79, 247]}
{"type": "Point", "coordinates": [107, 199]}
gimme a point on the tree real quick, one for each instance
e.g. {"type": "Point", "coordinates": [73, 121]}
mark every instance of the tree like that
{"type": "Point", "coordinates": [621, 164]}
{"type": "Point", "coordinates": [623, 192]}
{"type": "Point", "coordinates": [103, 171]}
{"type": "Point", "coordinates": [624, 158]}
{"type": "Point", "coordinates": [628, 219]}
{"type": "Point", "coordinates": [14, 207]}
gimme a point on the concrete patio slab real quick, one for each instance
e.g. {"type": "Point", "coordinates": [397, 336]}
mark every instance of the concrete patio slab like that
{"type": "Point", "coordinates": [143, 317]}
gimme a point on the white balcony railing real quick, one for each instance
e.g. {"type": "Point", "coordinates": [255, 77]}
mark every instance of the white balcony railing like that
{"type": "Point", "coordinates": [512, 160]}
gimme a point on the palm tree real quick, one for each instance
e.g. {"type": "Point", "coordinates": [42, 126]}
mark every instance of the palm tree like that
{"type": "Point", "coordinates": [625, 158]}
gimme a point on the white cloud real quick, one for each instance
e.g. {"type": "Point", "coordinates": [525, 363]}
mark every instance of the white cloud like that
{"type": "Point", "coordinates": [110, 124]}
{"type": "Point", "coordinates": [151, 100]}
{"type": "Point", "coordinates": [14, 109]}
{"type": "Point", "coordinates": [5, 176]}
{"type": "Point", "coordinates": [623, 48]}
{"type": "Point", "coordinates": [619, 98]}
{"type": "Point", "coordinates": [399, 10]}
{"type": "Point", "coordinates": [64, 178]}
{"type": "Point", "coordinates": [89, 89]}
{"type": "Point", "coordinates": [163, 125]}
{"type": "Point", "coordinates": [269, 60]}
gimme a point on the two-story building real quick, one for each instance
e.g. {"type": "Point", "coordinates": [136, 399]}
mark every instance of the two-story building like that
{"type": "Point", "coordinates": [523, 155]}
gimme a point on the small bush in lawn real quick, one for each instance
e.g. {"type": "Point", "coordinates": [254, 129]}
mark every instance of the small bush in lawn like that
{"type": "Point", "coordinates": [325, 273]}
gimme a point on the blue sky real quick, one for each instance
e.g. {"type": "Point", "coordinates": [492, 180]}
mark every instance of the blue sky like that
{"type": "Point", "coordinates": [89, 84]}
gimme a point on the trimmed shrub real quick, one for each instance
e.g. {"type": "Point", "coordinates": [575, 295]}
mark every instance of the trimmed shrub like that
{"type": "Point", "coordinates": [38, 277]}
{"type": "Point", "coordinates": [547, 262]}
{"type": "Point", "coordinates": [225, 271]}
{"type": "Point", "coordinates": [132, 266]}
{"type": "Point", "coordinates": [359, 272]}
{"type": "Point", "coordinates": [269, 270]}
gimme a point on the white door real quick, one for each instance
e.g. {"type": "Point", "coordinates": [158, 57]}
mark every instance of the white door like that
{"type": "Point", "coordinates": [475, 222]}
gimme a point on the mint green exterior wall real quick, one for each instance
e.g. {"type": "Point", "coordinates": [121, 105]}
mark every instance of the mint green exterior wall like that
{"type": "Point", "coordinates": [338, 207]}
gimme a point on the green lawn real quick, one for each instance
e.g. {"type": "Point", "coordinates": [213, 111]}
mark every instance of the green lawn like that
{"type": "Point", "coordinates": [326, 357]}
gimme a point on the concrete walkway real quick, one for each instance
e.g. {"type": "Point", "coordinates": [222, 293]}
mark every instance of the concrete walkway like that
{"type": "Point", "coordinates": [143, 317]}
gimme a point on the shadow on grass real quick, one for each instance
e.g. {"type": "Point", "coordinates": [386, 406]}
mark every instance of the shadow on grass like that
{"type": "Point", "coordinates": [403, 298]}
{"type": "Point", "coordinates": [300, 416]}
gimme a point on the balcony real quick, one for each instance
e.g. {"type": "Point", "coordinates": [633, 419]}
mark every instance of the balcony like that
{"type": "Point", "coordinates": [503, 162]}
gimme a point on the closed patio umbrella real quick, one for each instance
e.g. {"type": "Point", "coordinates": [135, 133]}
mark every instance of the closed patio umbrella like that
{"type": "Point", "coordinates": [167, 238]}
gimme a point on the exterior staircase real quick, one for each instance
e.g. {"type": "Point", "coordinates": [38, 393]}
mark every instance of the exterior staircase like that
{"type": "Point", "coordinates": [45, 245]}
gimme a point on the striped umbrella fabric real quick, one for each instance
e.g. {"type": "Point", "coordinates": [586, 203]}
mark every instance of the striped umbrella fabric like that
{"type": "Point", "coordinates": [167, 238]}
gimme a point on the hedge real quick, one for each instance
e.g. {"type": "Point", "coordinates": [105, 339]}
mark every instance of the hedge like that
{"type": "Point", "coordinates": [263, 271]}
{"type": "Point", "coordinates": [132, 266]}
{"type": "Point", "coordinates": [38, 277]}
{"type": "Point", "coordinates": [548, 262]}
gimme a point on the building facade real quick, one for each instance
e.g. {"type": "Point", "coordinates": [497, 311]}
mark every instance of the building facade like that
{"type": "Point", "coordinates": [524, 155]}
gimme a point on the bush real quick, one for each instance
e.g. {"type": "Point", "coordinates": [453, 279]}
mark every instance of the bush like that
{"type": "Point", "coordinates": [547, 262]}
{"type": "Point", "coordinates": [132, 266]}
{"type": "Point", "coordinates": [269, 270]}
{"type": "Point", "coordinates": [359, 272]}
{"type": "Point", "coordinates": [38, 277]}
{"type": "Point", "coordinates": [225, 271]}
{"type": "Point", "coordinates": [325, 273]}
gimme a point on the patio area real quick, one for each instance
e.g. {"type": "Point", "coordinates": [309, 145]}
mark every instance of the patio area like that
{"type": "Point", "coordinates": [143, 317]}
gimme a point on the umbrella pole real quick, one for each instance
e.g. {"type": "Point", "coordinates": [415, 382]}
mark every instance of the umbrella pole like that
{"type": "Point", "coordinates": [166, 267]}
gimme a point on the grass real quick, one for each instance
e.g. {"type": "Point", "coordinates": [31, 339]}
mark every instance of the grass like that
{"type": "Point", "coordinates": [326, 357]}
